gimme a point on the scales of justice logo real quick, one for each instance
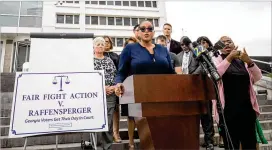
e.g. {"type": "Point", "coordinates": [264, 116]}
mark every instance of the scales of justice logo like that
{"type": "Point", "coordinates": [60, 81]}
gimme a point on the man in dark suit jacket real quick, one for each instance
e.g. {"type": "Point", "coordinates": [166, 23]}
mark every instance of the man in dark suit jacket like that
{"type": "Point", "coordinates": [172, 45]}
{"type": "Point", "coordinates": [191, 66]}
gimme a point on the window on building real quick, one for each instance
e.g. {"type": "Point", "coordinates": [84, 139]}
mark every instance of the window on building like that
{"type": "Point", "coordinates": [113, 41]}
{"type": "Point", "coordinates": [111, 21]}
{"type": "Point", "coordinates": [156, 22]}
{"type": "Point", "coordinates": [9, 7]}
{"type": "Point", "coordinates": [134, 21]}
{"type": "Point", "coordinates": [110, 2]}
{"type": "Point", "coordinates": [31, 8]}
{"type": "Point", "coordinates": [94, 20]}
{"type": "Point", "coordinates": [69, 2]}
{"type": "Point", "coordinates": [30, 21]}
{"type": "Point", "coordinates": [150, 20]}
{"type": "Point", "coordinates": [141, 20]}
{"type": "Point", "coordinates": [154, 3]}
{"type": "Point", "coordinates": [133, 3]}
{"type": "Point", "coordinates": [94, 2]}
{"type": "Point", "coordinates": [60, 18]}
{"type": "Point", "coordinates": [21, 55]}
{"type": "Point", "coordinates": [87, 2]}
{"type": "Point", "coordinates": [126, 21]}
{"type": "Point", "coordinates": [102, 2]}
{"type": "Point", "coordinates": [30, 13]}
{"type": "Point", "coordinates": [119, 21]}
{"type": "Point", "coordinates": [118, 3]}
{"type": "Point", "coordinates": [120, 42]}
{"type": "Point", "coordinates": [76, 19]}
{"type": "Point", "coordinates": [103, 20]}
{"type": "Point", "coordinates": [9, 21]}
{"type": "Point", "coordinates": [140, 3]}
{"type": "Point", "coordinates": [87, 19]}
{"type": "Point", "coordinates": [69, 19]}
{"type": "Point", "coordinates": [125, 3]}
{"type": "Point", "coordinates": [147, 3]}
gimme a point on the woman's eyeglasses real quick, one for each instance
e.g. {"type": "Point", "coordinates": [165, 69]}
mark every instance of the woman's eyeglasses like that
{"type": "Point", "coordinates": [143, 29]}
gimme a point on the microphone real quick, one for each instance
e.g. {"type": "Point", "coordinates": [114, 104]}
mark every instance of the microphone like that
{"type": "Point", "coordinates": [205, 60]}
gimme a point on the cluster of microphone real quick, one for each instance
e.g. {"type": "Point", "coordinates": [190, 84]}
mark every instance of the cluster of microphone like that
{"type": "Point", "coordinates": [204, 56]}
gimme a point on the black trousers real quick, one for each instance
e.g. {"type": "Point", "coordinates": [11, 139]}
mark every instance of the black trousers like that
{"type": "Point", "coordinates": [241, 127]}
{"type": "Point", "coordinates": [207, 125]}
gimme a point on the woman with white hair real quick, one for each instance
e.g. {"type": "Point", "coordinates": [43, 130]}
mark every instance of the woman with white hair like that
{"type": "Point", "coordinates": [105, 63]}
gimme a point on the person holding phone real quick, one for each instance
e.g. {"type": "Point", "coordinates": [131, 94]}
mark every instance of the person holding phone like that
{"type": "Point", "coordinates": [238, 98]}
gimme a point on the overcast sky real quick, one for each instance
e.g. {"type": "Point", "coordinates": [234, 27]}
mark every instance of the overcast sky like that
{"type": "Point", "coordinates": [247, 23]}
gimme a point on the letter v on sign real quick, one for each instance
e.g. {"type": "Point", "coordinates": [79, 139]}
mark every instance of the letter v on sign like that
{"type": "Point", "coordinates": [60, 103]}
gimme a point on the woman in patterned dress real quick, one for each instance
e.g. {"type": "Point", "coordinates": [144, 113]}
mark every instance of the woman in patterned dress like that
{"type": "Point", "coordinates": [105, 63]}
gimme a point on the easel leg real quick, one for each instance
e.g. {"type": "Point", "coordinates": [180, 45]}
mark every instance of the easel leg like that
{"type": "Point", "coordinates": [25, 143]}
{"type": "Point", "coordinates": [92, 136]}
{"type": "Point", "coordinates": [57, 142]}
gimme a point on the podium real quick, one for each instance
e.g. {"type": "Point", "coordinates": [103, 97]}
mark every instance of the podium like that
{"type": "Point", "coordinates": [169, 108]}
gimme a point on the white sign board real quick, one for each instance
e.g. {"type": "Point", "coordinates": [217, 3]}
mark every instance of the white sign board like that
{"type": "Point", "coordinates": [61, 55]}
{"type": "Point", "coordinates": [46, 103]}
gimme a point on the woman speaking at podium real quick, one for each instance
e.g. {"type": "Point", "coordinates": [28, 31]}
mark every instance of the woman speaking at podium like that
{"type": "Point", "coordinates": [142, 58]}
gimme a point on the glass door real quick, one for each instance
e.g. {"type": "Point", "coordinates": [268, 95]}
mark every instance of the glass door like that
{"type": "Point", "coordinates": [21, 55]}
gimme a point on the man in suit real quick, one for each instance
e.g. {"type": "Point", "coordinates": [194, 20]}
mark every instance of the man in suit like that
{"type": "Point", "coordinates": [190, 65]}
{"type": "Point", "coordinates": [172, 45]}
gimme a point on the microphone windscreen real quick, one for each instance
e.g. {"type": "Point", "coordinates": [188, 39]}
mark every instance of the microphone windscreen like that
{"type": "Point", "coordinates": [195, 44]}
{"type": "Point", "coordinates": [198, 50]}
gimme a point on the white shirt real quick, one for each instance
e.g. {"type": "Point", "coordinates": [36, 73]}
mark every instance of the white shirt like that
{"type": "Point", "coordinates": [185, 62]}
{"type": "Point", "coordinates": [168, 44]}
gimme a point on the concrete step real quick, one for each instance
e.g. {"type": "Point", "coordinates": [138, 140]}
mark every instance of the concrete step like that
{"type": "Point", "coordinates": [266, 125]}
{"type": "Point", "coordinates": [264, 102]}
{"type": "Point", "coordinates": [116, 146]}
{"type": "Point", "coordinates": [76, 138]}
{"type": "Point", "coordinates": [64, 138]}
{"type": "Point", "coordinates": [266, 108]}
{"type": "Point", "coordinates": [266, 146]}
{"type": "Point", "coordinates": [75, 146]}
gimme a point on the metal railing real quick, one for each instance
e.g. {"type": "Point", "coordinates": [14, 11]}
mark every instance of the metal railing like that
{"type": "Point", "coordinates": [264, 62]}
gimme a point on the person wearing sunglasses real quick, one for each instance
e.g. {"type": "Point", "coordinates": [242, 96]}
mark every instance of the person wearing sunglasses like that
{"type": "Point", "coordinates": [143, 57]}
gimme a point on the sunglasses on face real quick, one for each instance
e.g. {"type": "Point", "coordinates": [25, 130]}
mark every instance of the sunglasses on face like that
{"type": "Point", "coordinates": [143, 29]}
{"type": "Point", "coordinates": [182, 44]}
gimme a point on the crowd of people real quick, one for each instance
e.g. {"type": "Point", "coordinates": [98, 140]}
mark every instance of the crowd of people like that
{"type": "Point", "coordinates": [168, 56]}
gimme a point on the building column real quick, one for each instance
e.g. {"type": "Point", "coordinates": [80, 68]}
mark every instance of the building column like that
{"type": "Point", "coordinates": [8, 46]}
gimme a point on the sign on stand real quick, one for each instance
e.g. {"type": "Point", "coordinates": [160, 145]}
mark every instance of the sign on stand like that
{"type": "Point", "coordinates": [46, 103]}
{"type": "Point", "coordinates": [60, 92]}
